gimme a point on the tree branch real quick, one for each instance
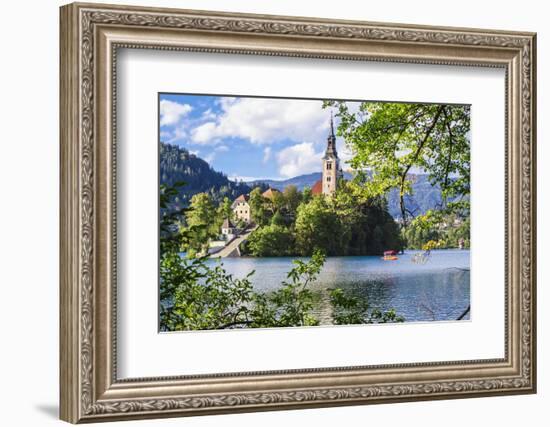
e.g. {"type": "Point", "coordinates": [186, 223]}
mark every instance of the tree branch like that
{"type": "Point", "coordinates": [448, 167]}
{"type": "Point", "coordinates": [414, 159]}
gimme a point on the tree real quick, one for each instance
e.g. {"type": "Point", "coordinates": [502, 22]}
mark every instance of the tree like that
{"type": "Point", "coordinates": [292, 198]}
{"type": "Point", "coordinates": [271, 240]}
{"type": "Point", "coordinates": [225, 210]}
{"type": "Point", "coordinates": [258, 206]}
{"type": "Point", "coordinates": [277, 201]}
{"type": "Point", "coordinates": [278, 219]}
{"type": "Point", "coordinates": [391, 140]}
{"type": "Point", "coordinates": [318, 226]}
{"type": "Point", "coordinates": [307, 195]}
{"type": "Point", "coordinates": [203, 223]}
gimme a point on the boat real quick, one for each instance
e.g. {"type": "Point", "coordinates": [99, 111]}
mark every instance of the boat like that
{"type": "Point", "coordinates": [390, 256]}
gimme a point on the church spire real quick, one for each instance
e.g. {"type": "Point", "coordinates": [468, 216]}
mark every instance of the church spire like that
{"type": "Point", "coordinates": [331, 141]}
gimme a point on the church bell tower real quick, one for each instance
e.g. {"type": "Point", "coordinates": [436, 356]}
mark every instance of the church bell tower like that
{"type": "Point", "coordinates": [331, 164]}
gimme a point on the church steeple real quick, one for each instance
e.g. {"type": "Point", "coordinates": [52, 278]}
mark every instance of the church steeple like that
{"type": "Point", "coordinates": [331, 163]}
{"type": "Point", "coordinates": [331, 152]}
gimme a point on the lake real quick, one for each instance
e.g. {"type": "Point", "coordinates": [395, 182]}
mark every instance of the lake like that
{"type": "Point", "coordinates": [436, 290]}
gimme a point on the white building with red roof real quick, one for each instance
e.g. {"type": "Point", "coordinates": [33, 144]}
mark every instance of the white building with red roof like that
{"type": "Point", "coordinates": [241, 208]}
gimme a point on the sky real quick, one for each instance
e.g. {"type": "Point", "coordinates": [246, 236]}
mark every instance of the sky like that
{"type": "Point", "coordinates": [250, 138]}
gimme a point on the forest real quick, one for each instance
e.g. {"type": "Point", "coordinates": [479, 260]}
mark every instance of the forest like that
{"type": "Point", "coordinates": [177, 164]}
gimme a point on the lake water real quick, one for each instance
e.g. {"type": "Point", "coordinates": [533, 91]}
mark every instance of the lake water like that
{"type": "Point", "coordinates": [436, 290]}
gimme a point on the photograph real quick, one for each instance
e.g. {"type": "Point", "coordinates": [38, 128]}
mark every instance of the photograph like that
{"type": "Point", "coordinates": [284, 212]}
{"type": "Point", "coordinates": [270, 210]}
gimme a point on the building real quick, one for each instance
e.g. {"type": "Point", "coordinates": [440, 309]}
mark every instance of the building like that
{"type": "Point", "coordinates": [228, 229]}
{"type": "Point", "coordinates": [241, 208]}
{"type": "Point", "coordinates": [270, 193]}
{"type": "Point", "coordinates": [332, 171]}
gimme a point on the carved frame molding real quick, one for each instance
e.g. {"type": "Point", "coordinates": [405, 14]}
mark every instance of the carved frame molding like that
{"type": "Point", "coordinates": [90, 36]}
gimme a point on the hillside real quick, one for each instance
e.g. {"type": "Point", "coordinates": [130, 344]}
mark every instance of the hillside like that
{"type": "Point", "coordinates": [177, 164]}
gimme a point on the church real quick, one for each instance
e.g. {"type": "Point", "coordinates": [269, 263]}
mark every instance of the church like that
{"type": "Point", "coordinates": [331, 171]}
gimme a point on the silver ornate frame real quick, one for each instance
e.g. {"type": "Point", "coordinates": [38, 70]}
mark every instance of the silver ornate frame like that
{"type": "Point", "coordinates": [90, 36]}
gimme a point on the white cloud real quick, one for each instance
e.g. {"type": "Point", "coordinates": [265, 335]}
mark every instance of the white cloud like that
{"type": "Point", "coordinates": [208, 115]}
{"type": "Point", "coordinates": [171, 112]}
{"type": "Point", "coordinates": [178, 133]}
{"type": "Point", "coordinates": [164, 135]}
{"type": "Point", "coordinates": [209, 158]}
{"type": "Point", "coordinates": [205, 133]}
{"type": "Point", "coordinates": [267, 154]}
{"type": "Point", "coordinates": [222, 148]}
{"type": "Point", "coordinates": [299, 159]}
{"type": "Point", "coordinates": [263, 121]}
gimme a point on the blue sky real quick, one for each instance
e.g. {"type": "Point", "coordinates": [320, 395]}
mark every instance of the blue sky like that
{"type": "Point", "coordinates": [249, 138]}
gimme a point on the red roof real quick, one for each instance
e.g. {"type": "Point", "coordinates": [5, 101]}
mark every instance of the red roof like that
{"type": "Point", "coordinates": [270, 192]}
{"type": "Point", "coordinates": [317, 188]}
{"type": "Point", "coordinates": [242, 198]}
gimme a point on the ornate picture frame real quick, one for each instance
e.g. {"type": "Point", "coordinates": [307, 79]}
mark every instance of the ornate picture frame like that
{"type": "Point", "coordinates": [90, 37]}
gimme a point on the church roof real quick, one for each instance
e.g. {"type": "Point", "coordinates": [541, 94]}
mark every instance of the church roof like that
{"type": "Point", "coordinates": [317, 188]}
{"type": "Point", "coordinates": [331, 142]}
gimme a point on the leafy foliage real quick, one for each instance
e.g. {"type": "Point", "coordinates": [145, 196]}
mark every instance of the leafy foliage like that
{"type": "Point", "coordinates": [271, 240]}
{"type": "Point", "coordinates": [351, 310]}
{"type": "Point", "coordinates": [291, 304]}
{"type": "Point", "coordinates": [390, 140]}
{"type": "Point", "coordinates": [446, 230]}
{"type": "Point", "coordinates": [196, 296]}
{"type": "Point", "coordinates": [203, 222]}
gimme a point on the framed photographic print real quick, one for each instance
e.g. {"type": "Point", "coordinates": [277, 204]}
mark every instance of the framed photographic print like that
{"type": "Point", "coordinates": [266, 212]}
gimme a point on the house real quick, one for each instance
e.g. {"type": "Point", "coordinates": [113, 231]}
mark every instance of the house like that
{"type": "Point", "coordinates": [228, 229]}
{"type": "Point", "coordinates": [270, 193]}
{"type": "Point", "coordinates": [332, 171]}
{"type": "Point", "coordinates": [241, 208]}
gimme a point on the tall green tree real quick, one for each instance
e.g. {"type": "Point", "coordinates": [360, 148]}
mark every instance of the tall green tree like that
{"type": "Point", "coordinates": [260, 210]}
{"type": "Point", "coordinates": [318, 226]}
{"type": "Point", "coordinates": [292, 198]}
{"type": "Point", "coordinates": [390, 141]}
{"type": "Point", "coordinates": [203, 222]}
{"type": "Point", "coordinates": [225, 210]}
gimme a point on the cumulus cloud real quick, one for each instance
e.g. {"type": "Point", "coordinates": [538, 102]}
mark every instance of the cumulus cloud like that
{"type": "Point", "coordinates": [299, 159]}
{"type": "Point", "coordinates": [171, 112]}
{"type": "Point", "coordinates": [264, 121]}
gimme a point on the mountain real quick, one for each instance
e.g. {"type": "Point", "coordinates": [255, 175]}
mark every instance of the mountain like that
{"type": "Point", "coordinates": [425, 196]}
{"type": "Point", "coordinates": [177, 164]}
{"type": "Point", "coordinates": [300, 182]}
